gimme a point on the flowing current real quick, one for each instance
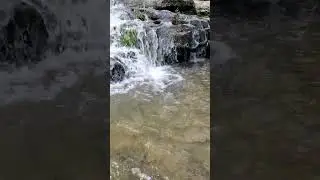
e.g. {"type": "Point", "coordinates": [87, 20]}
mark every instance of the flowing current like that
{"type": "Point", "coordinates": [143, 63]}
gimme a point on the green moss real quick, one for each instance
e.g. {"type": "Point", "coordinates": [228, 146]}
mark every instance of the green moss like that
{"type": "Point", "coordinates": [129, 38]}
{"type": "Point", "coordinates": [203, 13]}
{"type": "Point", "coordinates": [140, 15]}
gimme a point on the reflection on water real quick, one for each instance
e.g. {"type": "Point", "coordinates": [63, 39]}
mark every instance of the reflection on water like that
{"type": "Point", "coordinates": [166, 135]}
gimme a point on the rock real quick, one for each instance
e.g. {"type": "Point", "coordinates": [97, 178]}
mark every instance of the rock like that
{"type": "Point", "coordinates": [183, 6]}
{"type": "Point", "coordinates": [163, 36]}
{"type": "Point", "coordinates": [24, 37]}
{"type": "Point", "coordinates": [180, 37]}
{"type": "Point", "coordinates": [190, 38]}
{"type": "Point", "coordinates": [202, 7]}
{"type": "Point", "coordinates": [117, 72]}
{"type": "Point", "coordinates": [53, 26]}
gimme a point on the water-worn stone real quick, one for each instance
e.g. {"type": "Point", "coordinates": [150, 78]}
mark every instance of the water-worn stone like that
{"type": "Point", "coordinates": [183, 6]}
{"type": "Point", "coordinates": [117, 70]}
{"type": "Point", "coordinates": [163, 36]}
{"type": "Point", "coordinates": [189, 34]}
{"type": "Point", "coordinates": [24, 37]}
{"type": "Point", "coordinates": [30, 28]}
{"type": "Point", "coordinates": [202, 7]}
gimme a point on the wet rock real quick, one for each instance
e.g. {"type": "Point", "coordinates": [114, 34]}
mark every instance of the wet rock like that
{"type": "Point", "coordinates": [189, 35]}
{"type": "Point", "coordinates": [183, 6]}
{"type": "Point", "coordinates": [163, 36]}
{"type": "Point", "coordinates": [24, 38]}
{"type": "Point", "coordinates": [202, 7]}
{"type": "Point", "coordinates": [117, 71]}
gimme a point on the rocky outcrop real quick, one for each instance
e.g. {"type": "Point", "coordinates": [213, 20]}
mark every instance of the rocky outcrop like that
{"type": "Point", "coordinates": [189, 34]}
{"type": "Point", "coordinates": [24, 35]}
{"type": "Point", "coordinates": [202, 7]}
{"type": "Point", "coordinates": [183, 6]}
{"type": "Point", "coordinates": [163, 36]}
{"type": "Point", "coordinates": [30, 28]}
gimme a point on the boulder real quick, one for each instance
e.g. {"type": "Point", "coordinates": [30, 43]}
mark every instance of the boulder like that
{"type": "Point", "coordinates": [202, 7]}
{"type": "Point", "coordinates": [30, 28]}
{"type": "Point", "coordinates": [180, 37]}
{"type": "Point", "coordinates": [24, 35]}
{"type": "Point", "coordinates": [182, 6]}
{"type": "Point", "coordinates": [117, 70]}
{"type": "Point", "coordinates": [190, 37]}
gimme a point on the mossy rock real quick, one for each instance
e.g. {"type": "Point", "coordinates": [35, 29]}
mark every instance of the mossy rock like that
{"type": "Point", "coordinates": [140, 15]}
{"type": "Point", "coordinates": [203, 13]}
{"type": "Point", "coordinates": [129, 38]}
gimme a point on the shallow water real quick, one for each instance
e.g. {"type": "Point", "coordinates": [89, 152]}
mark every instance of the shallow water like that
{"type": "Point", "coordinates": [165, 134]}
{"type": "Point", "coordinates": [271, 88]}
{"type": "Point", "coordinates": [51, 115]}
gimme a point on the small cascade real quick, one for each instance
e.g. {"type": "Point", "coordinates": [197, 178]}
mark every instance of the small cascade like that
{"type": "Point", "coordinates": [137, 54]}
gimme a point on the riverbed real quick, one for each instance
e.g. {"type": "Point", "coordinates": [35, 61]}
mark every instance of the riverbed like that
{"type": "Point", "coordinates": [165, 134]}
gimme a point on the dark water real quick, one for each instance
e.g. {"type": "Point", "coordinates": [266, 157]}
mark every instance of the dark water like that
{"type": "Point", "coordinates": [53, 119]}
{"type": "Point", "coordinates": [266, 99]}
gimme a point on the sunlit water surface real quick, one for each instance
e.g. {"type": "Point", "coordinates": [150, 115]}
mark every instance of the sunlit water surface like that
{"type": "Point", "coordinates": [163, 131]}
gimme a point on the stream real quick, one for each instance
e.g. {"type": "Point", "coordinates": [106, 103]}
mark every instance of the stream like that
{"type": "Point", "coordinates": [159, 114]}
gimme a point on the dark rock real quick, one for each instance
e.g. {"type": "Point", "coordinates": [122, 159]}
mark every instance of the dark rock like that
{"type": "Point", "coordinates": [188, 40]}
{"type": "Point", "coordinates": [117, 72]}
{"type": "Point", "coordinates": [202, 7]}
{"type": "Point", "coordinates": [157, 22]}
{"type": "Point", "coordinates": [183, 6]}
{"type": "Point", "coordinates": [24, 37]}
{"type": "Point", "coordinates": [183, 54]}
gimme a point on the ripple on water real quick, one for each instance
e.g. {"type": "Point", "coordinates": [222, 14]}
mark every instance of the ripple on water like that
{"type": "Point", "coordinates": [166, 136]}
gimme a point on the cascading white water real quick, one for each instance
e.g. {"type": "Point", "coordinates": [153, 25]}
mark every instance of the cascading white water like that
{"type": "Point", "coordinates": [143, 63]}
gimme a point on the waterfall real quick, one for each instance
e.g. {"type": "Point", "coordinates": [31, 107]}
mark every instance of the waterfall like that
{"type": "Point", "coordinates": [137, 52]}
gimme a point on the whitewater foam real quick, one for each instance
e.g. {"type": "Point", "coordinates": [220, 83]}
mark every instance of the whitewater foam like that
{"type": "Point", "coordinates": [144, 69]}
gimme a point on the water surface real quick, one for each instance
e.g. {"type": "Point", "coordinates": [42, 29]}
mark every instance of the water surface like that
{"type": "Point", "coordinates": [164, 133]}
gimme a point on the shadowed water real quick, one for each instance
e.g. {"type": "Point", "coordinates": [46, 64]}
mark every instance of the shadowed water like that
{"type": "Point", "coordinates": [267, 98]}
